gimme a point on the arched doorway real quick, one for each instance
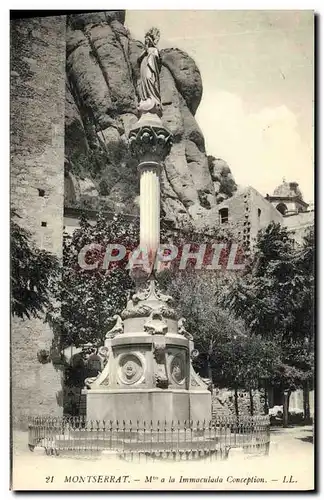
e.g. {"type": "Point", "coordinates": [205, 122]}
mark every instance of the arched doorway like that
{"type": "Point", "coordinates": [282, 208]}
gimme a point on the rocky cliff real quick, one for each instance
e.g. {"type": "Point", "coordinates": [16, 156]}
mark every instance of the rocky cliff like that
{"type": "Point", "coordinates": [101, 100]}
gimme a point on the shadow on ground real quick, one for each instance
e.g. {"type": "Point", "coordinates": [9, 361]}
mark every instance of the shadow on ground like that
{"type": "Point", "coordinates": [307, 439]}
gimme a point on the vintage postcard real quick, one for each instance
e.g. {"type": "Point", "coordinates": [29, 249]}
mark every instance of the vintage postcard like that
{"type": "Point", "coordinates": [162, 250]}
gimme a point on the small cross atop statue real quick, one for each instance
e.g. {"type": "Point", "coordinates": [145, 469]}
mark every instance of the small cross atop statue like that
{"type": "Point", "coordinates": [150, 67]}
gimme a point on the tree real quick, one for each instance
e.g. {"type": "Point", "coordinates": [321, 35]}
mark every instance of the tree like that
{"type": "Point", "coordinates": [228, 354]}
{"type": "Point", "coordinates": [301, 350]}
{"type": "Point", "coordinates": [275, 300]}
{"type": "Point", "coordinates": [32, 273]}
{"type": "Point", "coordinates": [196, 298]}
{"type": "Point", "coordinates": [244, 361]}
{"type": "Point", "coordinates": [88, 298]}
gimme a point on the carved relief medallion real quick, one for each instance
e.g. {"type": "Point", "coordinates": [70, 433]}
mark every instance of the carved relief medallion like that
{"type": "Point", "coordinates": [131, 369]}
{"type": "Point", "coordinates": [178, 369]}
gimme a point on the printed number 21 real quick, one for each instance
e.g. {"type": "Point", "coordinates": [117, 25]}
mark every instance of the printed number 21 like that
{"type": "Point", "coordinates": [49, 479]}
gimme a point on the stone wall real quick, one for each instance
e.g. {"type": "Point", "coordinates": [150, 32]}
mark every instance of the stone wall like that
{"type": "Point", "coordinates": [248, 212]}
{"type": "Point", "coordinates": [261, 213]}
{"type": "Point", "coordinates": [37, 184]}
{"type": "Point", "coordinates": [298, 224]}
{"type": "Point", "coordinates": [223, 402]}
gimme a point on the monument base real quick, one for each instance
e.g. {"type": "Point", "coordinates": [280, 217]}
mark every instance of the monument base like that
{"type": "Point", "coordinates": [149, 404]}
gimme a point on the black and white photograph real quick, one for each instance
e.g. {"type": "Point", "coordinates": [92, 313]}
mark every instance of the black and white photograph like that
{"type": "Point", "coordinates": [162, 250]}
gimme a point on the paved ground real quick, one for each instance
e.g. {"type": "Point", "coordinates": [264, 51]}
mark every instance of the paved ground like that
{"type": "Point", "coordinates": [290, 465]}
{"type": "Point", "coordinates": [292, 439]}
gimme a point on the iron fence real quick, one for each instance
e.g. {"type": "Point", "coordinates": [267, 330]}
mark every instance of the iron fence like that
{"type": "Point", "coordinates": [131, 440]}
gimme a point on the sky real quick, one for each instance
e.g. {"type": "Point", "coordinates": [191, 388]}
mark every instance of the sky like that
{"type": "Point", "coordinates": [257, 72]}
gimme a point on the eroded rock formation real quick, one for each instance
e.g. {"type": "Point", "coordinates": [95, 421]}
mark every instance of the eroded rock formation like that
{"type": "Point", "coordinates": [101, 102]}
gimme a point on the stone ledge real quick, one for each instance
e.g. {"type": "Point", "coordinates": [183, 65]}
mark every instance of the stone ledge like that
{"type": "Point", "coordinates": [135, 338]}
{"type": "Point", "coordinates": [144, 391]}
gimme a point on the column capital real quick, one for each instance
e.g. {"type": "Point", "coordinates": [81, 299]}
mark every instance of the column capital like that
{"type": "Point", "coordinates": [149, 140]}
{"type": "Point", "coordinates": [149, 165]}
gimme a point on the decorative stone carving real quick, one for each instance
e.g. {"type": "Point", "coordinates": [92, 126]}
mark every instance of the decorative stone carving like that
{"type": "Point", "coordinates": [150, 142]}
{"type": "Point", "coordinates": [156, 324]}
{"type": "Point", "coordinates": [161, 381]}
{"type": "Point", "coordinates": [195, 380]}
{"type": "Point", "coordinates": [209, 384]}
{"type": "Point", "coordinates": [151, 291]}
{"type": "Point", "coordinates": [167, 312]}
{"type": "Point", "coordinates": [162, 296]}
{"type": "Point", "coordinates": [106, 381]}
{"type": "Point", "coordinates": [117, 329]}
{"type": "Point", "coordinates": [130, 369]}
{"type": "Point", "coordinates": [159, 352]}
{"type": "Point", "coordinates": [141, 311]}
{"type": "Point", "coordinates": [89, 381]}
{"type": "Point", "coordinates": [148, 299]}
{"type": "Point", "coordinates": [143, 293]}
{"type": "Point", "coordinates": [182, 330]}
{"type": "Point", "coordinates": [178, 370]}
{"type": "Point", "coordinates": [160, 372]}
{"type": "Point", "coordinates": [194, 353]}
{"type": "Point", "coordinates": [103, 375]}
{"type": "Point", "coordinates": [104, 352]}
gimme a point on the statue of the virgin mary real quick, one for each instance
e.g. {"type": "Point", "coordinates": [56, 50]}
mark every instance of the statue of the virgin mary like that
{"type": "Point", "coordinates": [150, 66]}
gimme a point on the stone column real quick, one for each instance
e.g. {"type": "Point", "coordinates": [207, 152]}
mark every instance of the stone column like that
{"type": "Point", "coordinates": [150, 142]}
{"type": "Point", "coordinates": [149, 206]}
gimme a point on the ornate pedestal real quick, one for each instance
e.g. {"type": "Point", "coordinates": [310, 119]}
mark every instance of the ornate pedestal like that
{"type": "Point", "coordinates": [147, 372]}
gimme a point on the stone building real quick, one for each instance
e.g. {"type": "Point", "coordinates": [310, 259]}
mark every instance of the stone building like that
{"type": "Point", "coordinates": [298, 224]}
{"type": "Point", "coordinates": [298, 215]}
{"type": "Point", "coordinates": [248, 211]}
{"type": "Point", "coordinates": [288, 199]}
{"type": "Point", "coordinates": [37, 190]}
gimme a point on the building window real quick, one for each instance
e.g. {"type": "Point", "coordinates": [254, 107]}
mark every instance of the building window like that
{"type": "Point", "coordinates": [44, 224]}
{"type": "Point", "coordinates": [41, 192]}
{"type": "Point", "coordinates": [259, 213]}
{"type": "Point", "coordinates": [282, 208]}
{"type": "Point", "coordinates": [223, 215]}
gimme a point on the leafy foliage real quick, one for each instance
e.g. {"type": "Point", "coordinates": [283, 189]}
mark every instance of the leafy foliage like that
{"type": "Point", "coordinates": [244, 361]}
{"type": "Point", "coordinates": [32, 273]}
{"type": "Point", "coordinates": [275, 300]}
{"type": "Point", "coordinates": [229, 354]}
{"type": "Point", "coordinates": [89, 298]}
{"type": "Point", "coordinates": [196, 296]}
